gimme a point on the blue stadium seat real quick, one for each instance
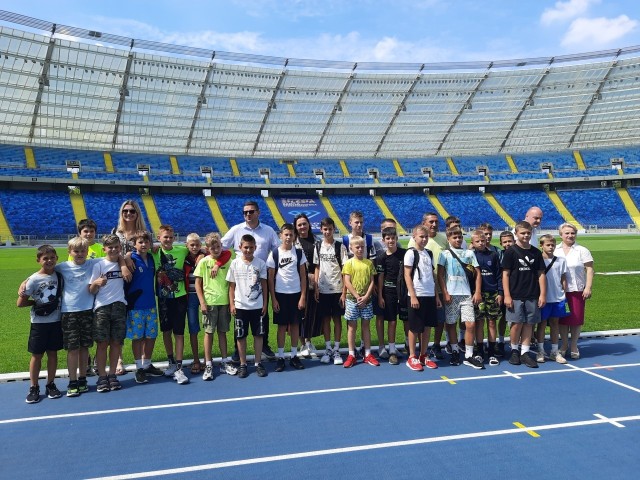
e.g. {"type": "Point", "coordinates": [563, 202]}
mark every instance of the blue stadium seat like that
{"type": "Point", "coordinates": [601, 207]}
{"type": "Point", "coordinates": [186, 213]}
{"type": "Point", "coordinates": [41, 213]}
{"type": "Point", "coordinates": [472, 209]}
{"type": "Point", "coordinates": [104, 207]}
{"type": "Point", "coordinates": [345, 204]}
{"type": "Point", "coordinates": [408, 208]}
{"type": "Point", "coordinates": [517, 202]}
{"type": "Point", "coordinates": [12, 156]}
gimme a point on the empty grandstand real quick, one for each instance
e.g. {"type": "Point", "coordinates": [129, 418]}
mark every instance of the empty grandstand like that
{"type": "Point", "coordinates": [192, 133]}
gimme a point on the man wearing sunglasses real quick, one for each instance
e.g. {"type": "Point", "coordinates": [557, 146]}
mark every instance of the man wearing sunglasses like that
{"type": "Point", "coordinates": [266, 240]}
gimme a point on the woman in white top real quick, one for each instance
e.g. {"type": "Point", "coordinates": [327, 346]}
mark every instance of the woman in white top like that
{"type": "Point", "coordinates": [579, 281]}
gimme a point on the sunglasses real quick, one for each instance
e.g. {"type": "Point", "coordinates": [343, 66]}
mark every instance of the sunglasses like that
{"type": "Point", "coordinates": [248, 212]}
{"type": "Point", "coordinates": [128, 211]}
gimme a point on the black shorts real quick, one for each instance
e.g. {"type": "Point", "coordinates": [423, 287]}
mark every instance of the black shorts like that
{"type": "Point", "coordinates": [45, 337]}
{"type": "Point", "coordinates": [172, 313]}
{"type": "Point", "coordinates": [249, 318]}
{"type": "Point", "coordinates": [329, 305]}
{"type": "Point", "coordinates": [424, 316]}
{"type": "Point", "coordinates": [289, 313]}
{"type": "Point", "coordinates": [377, 311]}
{"type": "Point", "coordinates": [390, 296]}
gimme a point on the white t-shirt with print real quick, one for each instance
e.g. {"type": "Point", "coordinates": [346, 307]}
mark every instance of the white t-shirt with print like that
{"type": "Point", "coordinates": [113, 290]}
{"type": "Point", "coordinates": [330, 276]}
{"type": "Point", "coordinates": [423, 282]}
{"type": "Point", "coordinates": [247, 276]}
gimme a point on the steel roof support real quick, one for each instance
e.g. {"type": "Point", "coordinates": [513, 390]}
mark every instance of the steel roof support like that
{"type": "Point", "coordinates": [124, 92]}
{"type": "Point", "coordinates": [270, 106]}
{"type": "Point", "coordinates": [43, 81]}
{"type": "Point", "coordinates": [401, 107]}
{"type": "Point", "coordinates": [202, 100]}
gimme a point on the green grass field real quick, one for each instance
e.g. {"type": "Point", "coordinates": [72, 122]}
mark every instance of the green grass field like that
{"type": "Point", "coordinates": [614, 304]}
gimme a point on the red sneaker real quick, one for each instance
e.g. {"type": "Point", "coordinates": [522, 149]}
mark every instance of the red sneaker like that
{"type": "Point", "coordinates": [371, 360]}
{"type": "Point", "coordinates": [414, 364]}
{"type": "Point", "coordinates": [430, 364]}
{"type": "Point", "coordinates": [349, 362]}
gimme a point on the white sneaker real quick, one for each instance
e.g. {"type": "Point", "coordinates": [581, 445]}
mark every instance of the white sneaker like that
{"type": "Point", "coordinates": [170, 370]}
{"type": "Point", "coordinates": [326, 358]}
{"type": "Point", "coordinates": [228, 369]}
{"type": "Point", "coordinates": [208, 373]}
{"type": "Point", "coordinates": [337, 358]}
{"type": "Point", "coordinates": [382, 353]}
{"type": "Point", "coordinates": [540, 356]}
{"type": "Point", "coordinates": [305, 351]}
{"type": "Point", "coordinates": [180, 377]}
{"type": "Point", "coordinates": [558, 357]}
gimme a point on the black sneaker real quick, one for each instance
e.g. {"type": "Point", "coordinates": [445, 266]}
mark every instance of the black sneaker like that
{"type": "Point", "coordinates": [141, 376]}
{"type": "Point", "coordinates": [455, 359]}
{"type": "Point", "coordinates": [280, 364]}
{"type": "Point", "coordinates": [153, 371]}
{"type": "Point", "coordinates": [528, 360]}
{"type": "Point", "coordinates": [72, 389]}
{"type": "Point", "coordinates": [448, 349]}
{"type": "Point", "coordinates": [90, 370]}
{"type": "Point", "coordinates": [437, 352]}
{"type": "Point", "coordinates": [102, 385]}
{"type": "Point", "coordinates": [242, 371]}
{"type": "Point", "coordinates": [515, 357]}
{"type": "Point", "coordinates": [268, 353]}
{"type": "Point", "coordinates": [52, 391]}
{"type": "Point", "coordinates": [261, 371]}
{"type": "Point", "coordinates": [473, 362]}
{"type": "Point", "coordinates": [34, 394]}
{"type": "Point", "coordinates": [296, 363]}
{"type": "Point", "coordinates": [235, 358]}
{"type": "Point", "coordinates": [82, 385]}
{"type": "Point", "coordinates": [114, 383]}
{"type": "Point", "coordinates": [499, 350]}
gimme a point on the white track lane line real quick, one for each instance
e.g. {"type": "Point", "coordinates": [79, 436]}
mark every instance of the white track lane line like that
{"type": "Point", "coordinates": [368, 447]}
{"type": "Point", "coordinates": [602, 377]}
{"type": "Point", "coordinates": [312, 392]}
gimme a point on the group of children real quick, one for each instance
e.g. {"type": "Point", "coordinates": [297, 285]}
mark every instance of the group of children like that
{"type": "Point", "coordinates": [104, 297]}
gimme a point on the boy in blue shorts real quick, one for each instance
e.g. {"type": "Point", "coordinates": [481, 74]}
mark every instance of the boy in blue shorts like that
{"type": "Point", "coordinates": [142, 315]}
{"type": "Point", "coordinates": [45, 289]}
{"type": "Point", "coordinates": [358, 280]}
{"type": "Point", "coordinates": [525, 292]}
{"type": "Point", "coordinates": [247, 279]}
{"type": "Point", "coordinates": [489, 308]}
{"type": "Point", "coordinates": [556, 276]}
{"type": "Point", "coordinates": [423, 302]}
{"type": "Point", "coordinates": [460, 295]}
{"type": "Point", "coordinates": [389, 268]}
{"type": "Point", "coordinates": [212, 289]}
{"type": "Point", "coordinates": [109, 312]}
{"type": "Point", "coordinates": [288, 286]}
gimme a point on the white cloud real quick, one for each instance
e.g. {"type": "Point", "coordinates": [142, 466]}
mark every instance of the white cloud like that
{"type": "Point", "coordinates": [591, 33]}
{"type": "Point", "coordinates": [564, 11]}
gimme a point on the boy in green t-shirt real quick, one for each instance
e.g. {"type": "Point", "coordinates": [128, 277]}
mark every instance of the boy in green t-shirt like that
{"type": "Point", "coordinates": [358, 279]}
{"type": "Point", "coordinates": [212, 289]}
{"type": "Point", "coordinates": [172, 299]}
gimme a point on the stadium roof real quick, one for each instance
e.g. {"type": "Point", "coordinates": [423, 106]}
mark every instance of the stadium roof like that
{"type": "Point", "coordinates": [65, 88]}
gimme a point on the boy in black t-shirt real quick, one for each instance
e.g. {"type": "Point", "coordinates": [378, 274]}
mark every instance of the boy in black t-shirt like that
{"type": "Point", "coordinates": [524, 284]}
{"type": "Point", "coordinates": [388, 265]}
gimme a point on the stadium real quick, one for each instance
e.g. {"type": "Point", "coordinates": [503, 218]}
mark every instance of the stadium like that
{"type": "Point", "coordinates": [90, 119]}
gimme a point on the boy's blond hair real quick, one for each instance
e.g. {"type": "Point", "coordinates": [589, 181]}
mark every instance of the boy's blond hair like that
{"type": "Point", "coordinates": [547, 238]}
{"type": "Point", "coordinates": [212, 237]}
{"type": "Point", "coordinates": [193, 237]}
{"type": "Point", "coordinates": [77, 243]}
{"type": "Point", "coordinates": [477, 233]}
{"type": "Point", "coordinates": [356, 241]}
{"type": "Point", "coordinates": [419, 228]}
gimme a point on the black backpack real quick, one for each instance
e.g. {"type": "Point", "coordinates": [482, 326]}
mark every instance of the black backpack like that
{"type": "Point", "coordinates": [403, 291]}
{"type": "Point", "coordinates": [337, 246]}
{"type": "Point", "coordinates": [276, 261]}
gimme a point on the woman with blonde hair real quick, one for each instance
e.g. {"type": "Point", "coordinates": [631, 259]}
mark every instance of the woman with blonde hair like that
{"type": "Point", "coordinates": [130, 221]}
{"type": "Point", "coordinates": [579, 281]}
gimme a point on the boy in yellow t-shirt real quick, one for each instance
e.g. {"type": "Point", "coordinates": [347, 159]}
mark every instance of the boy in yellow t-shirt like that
{"type": "Point", "coordinates": [358, 279]}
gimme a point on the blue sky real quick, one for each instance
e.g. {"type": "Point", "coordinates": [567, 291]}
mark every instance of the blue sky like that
{"type": "Point", "coordinates": [360, 30]}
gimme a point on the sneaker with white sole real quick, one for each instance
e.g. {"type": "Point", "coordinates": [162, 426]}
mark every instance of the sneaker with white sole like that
{"type": "Point", "coordinates": [414, 364]}
{"type": "Point", "coordinates": [540, 357]}
{"type": "Point", "coordinates": [493, 361]}
{"type": "Point", "coordinates": [337, 358]}
{"type": "Point", "coordinates": [557, 357]}
{"type": "Point", "coordinates": [473, 362]}
{"type": "Point", "coordinates": [326, 358]}
{"type": "Point", "coordinates": [171, 369]}
{"type": "Point", "coordinates": [226, 367]}
{"type": "Point", "coordinates": [208, 373]}
{"type": "Point", "coordinates": [180, 377]}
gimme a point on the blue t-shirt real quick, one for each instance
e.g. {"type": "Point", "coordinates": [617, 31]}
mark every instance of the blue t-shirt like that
{"type": "Point", "coordinates": [140, 292]}
{"type": "Point", "coordinates": [456, 278]}
{"type": "Point", "coordinates": [75, 294]}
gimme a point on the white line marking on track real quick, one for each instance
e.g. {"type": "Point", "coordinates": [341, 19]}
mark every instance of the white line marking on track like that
{"type": "Point", "coordinates": [617, 424]}
{"type": "Point", "coordinates": [315, 392]}
{"type": "Point", "coordinates": [518, 377]}
{"type": "Point", "coordinates": [360, 448]}
{"type": "Point", "coordinates": [588, 372]}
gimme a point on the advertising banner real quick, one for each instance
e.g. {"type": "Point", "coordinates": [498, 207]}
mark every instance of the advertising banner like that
{"type": "Point", "coordinates": [312, 207]}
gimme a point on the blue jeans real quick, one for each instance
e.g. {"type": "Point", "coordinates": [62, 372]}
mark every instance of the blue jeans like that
{"type": "Point", "coordinates": [193, 313]}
